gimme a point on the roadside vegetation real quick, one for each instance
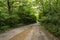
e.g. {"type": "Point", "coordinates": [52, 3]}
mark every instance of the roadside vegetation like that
{"type": "Point", "coordinates": [15, 13]}
{"type": "Point", "coordinates": [50, 15]}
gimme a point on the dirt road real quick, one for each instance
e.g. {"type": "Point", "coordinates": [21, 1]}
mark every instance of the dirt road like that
{"type": "Point", "coordinates": [29, 32]}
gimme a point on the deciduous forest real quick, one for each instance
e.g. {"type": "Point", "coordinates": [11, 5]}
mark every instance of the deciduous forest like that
{"type": "Point", "coordinates": [14, 13]}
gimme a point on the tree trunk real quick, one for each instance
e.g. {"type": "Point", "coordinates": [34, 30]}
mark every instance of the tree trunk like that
{"type": "Point", "coordinates": [9, 6]}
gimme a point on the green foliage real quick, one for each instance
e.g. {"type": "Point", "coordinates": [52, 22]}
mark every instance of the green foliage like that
{"type": "Point", "coordinates": [12, 20]}
{"type": "Point", "coordinates": [16, 12]}
{"type": "Point", "coordinates": [50, 15]}
{"type": "Point", "coordinates": [3, 28]}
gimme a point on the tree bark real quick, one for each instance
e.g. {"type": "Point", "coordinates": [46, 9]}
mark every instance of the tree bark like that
{"type": "Point", "coordinates": [9, 6]}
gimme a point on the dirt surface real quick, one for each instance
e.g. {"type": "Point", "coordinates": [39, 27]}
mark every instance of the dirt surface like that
{"type": "Point", "coordinates": [22, 35]}
{"type": "Point", "coordinates": [29, 32]}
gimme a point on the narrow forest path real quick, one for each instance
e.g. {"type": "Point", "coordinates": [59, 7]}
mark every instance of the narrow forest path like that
{"type": "Point", "coordinates": [29, 32]}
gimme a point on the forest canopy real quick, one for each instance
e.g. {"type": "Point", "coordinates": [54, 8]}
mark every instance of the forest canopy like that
{"type": "Point", "coordinates": [16, 12]}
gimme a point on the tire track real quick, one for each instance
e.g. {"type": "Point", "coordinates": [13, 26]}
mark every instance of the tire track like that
{"type": "Point", "coordinates": [22, 35]}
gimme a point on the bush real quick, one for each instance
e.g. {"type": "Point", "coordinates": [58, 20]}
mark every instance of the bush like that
{"type": "Point", "coordinates": [50, 16]}
{"type": "Point", "coordinates": [12, 20]}
{"type": "Point", "coordinates": [3, 28]}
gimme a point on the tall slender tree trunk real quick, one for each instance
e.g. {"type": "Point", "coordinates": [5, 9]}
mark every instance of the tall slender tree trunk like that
{"type": "Point", "coordinates": [9, 7]}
